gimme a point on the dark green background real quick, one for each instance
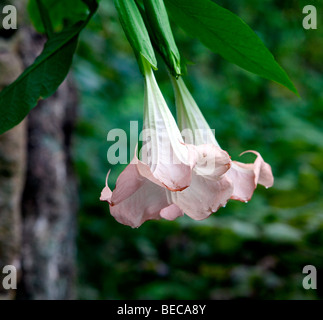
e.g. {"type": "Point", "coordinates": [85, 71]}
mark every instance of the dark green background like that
{"type": "Point", "coordinates": [255, 250]}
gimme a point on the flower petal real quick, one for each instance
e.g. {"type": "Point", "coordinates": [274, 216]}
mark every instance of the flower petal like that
{"type": "Point", "coordinates": [136, 199]}
{"type": "Point", "coordinates": [171, 212]}
{"type": "Point", "coordinates": [167, 178]}
{"type": "Point", "coordinates": [106, 193]}
{"type": "Point", "coordinates": [128, 182]}
{"type": "Point", "coordinates": [246, 176]}
{"type": "Point", "coordinates": [144, 204]}
{"type": "Point", "coordinates": [211, 161]}
{"type": "Point", "coordinates": [203, 197]}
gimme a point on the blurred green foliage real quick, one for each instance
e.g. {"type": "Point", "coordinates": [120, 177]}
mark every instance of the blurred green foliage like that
{"type": "Point", "coordinates": [255, 250]}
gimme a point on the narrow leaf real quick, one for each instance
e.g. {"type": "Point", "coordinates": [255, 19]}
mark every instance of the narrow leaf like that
{"type": "Point", "coordinates": [226, 34]}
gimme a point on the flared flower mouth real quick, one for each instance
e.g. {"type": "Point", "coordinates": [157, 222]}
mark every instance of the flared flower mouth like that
{"type": "Point", "coordinates": [175, 172]}
{"type": "Point", "coordinates": [173, 178]}
{"type": "Point", "coordinates": [247, 176]}
{"type": "Point", "coordinates": [137, 199]}
{"type": "Point", "coordinates": [139, 196]}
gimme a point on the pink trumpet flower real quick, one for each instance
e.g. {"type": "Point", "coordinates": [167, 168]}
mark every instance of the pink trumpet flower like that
{"type": "Point", "coordinates": [138, 198]}
{"type": "Point", "coordinates": [173, 177]}
{"type": "Point", "coordinates": [141, 189]}
{"type": "Point", "coordinates": [165, 158]}
{"type": "Point", "coordinates": [244, 177]}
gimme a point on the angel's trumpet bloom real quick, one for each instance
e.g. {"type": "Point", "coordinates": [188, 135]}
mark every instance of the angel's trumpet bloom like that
{"type": "Point", "coordinates": [142, 189]}
{"type": "Point", "coordinates": [210, 188]}
{"type": "Point", "coordinates": [165, 158]}
{"type": "Point", "coordinates": [244, 177]}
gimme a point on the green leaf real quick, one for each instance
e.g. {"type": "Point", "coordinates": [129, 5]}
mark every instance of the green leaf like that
{"type": "Point", "coordinates": [136, 32]}
{"type": "Point", "coordinates": [60, 12]}
{"type": "Point", "coordinates": [160, 30]}
{"type": "Point", "coordinates": [226, 34]}
{"type": "Point", "coordinates": [42, 78]}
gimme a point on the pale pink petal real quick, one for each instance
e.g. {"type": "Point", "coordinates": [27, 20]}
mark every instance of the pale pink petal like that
{"type": "Point", "coordinates": [146, 203]}
{"type": "Point", "coordinates": [211, 161]}
{"type": "Point", "coordinates": [173, 176]}
{"type": "Point", "coordinates": [176, 177]}
{"type": "Point", "coordinates": [246, 176]}
{"type": "Point", "coordinates": [136, 199]}
{"type": "Point", "coordinates": [209, 188]}
{"type": "Point", "coordinates": [128, 182]}
{"type": "Point", "coordinates": [204, 196]}
{"type": "Point", "coordinates": [265, 176]}
{"type": "Point", "coordinates": [171, 212]}
{"type": "Point", "coordinates": [144, 171]}
{"type": "Point", "coordinates": [243, 181]}
{"type": "Point", "coordinates": [106, 193]}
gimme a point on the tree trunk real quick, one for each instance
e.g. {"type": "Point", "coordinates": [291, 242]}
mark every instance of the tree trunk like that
{"type": "Point", "coordinates": [39, 230]}
{"type": "Point", "coordinates": [50, 197]}
{"type": "Point", "coordinates": [12, 170]}
{"type": "Point", "coordinates": [49, 201]}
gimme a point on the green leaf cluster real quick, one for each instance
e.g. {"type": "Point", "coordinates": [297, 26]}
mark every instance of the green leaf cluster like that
{"type": "Point", "coordinates": [218, 28]}
{"type": "Point", "coordinates": [43, 77]}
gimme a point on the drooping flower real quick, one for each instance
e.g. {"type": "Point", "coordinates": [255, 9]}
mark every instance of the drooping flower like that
{"type": "Point", "coordinates": [166, 165]}
{"type": "Point", "coordinates": [138, 198]}
{"type": "Point", "coordinates": [165, 158]}
{"type": "Point", "coordinates": [169, 179]}
{"type": "Point", "coordinates": [244, 177]}
{"type": "Point", "coordinates": [210, 188]}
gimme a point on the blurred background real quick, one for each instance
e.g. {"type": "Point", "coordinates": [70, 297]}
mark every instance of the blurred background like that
{"type": "Point", "coordinates": [244, 251]}
{"type": "Point", "coordinates": [255, 250]}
